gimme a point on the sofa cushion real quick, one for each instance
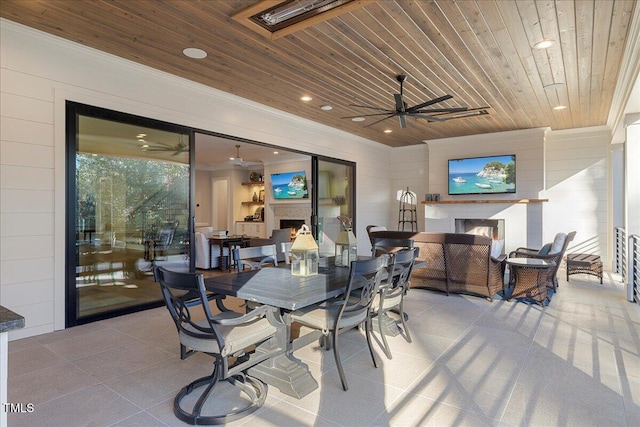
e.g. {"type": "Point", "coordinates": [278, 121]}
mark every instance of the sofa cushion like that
{"type": "Point", "coordinates": [496, 248]}
{"type": "Point", "coordinates": [558, 243]}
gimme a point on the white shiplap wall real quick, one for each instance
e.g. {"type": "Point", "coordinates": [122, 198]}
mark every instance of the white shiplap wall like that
{"type": "Point", "coordinates": [523, 223]}
{"type": "Point", "coordinates": [577, 181]}
{"type": "Point", "coordinates": [38, 72]}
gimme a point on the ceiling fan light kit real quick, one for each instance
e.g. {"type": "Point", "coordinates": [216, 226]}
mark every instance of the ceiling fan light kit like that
{"type": "Point", "coordinates": [402, 110]}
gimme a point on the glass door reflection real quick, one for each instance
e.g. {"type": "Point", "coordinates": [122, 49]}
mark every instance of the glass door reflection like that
{"type": "Point", "coordinates": [132, 209]}
{"type": "Point", "coordinates": [335, 198]}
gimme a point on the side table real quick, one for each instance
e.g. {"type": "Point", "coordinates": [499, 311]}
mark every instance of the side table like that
{"type": "Point", "coordinates": [528, 278]}
{"type": "Point", "coordinates": [584, 264]}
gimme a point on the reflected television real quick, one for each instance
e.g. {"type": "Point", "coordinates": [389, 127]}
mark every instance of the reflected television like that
{"type": "Point", "coordinates": [482, 175]}
{"type": "Point", "coordinates": [289, 185]}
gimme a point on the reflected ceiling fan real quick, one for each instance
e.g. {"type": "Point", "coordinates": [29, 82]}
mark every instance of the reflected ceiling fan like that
{"type": "Point", "coordinates": [419, 111]}
{"type": "Point", "coordinates": [238, 161]}
{"type": "Point", "coordinates": [180, 147]}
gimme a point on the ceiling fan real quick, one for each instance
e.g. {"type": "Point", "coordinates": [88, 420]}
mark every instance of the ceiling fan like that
{"type": "Point", "coordinates": [180, 147]}
{"type": "Point", "coordinates": [237, 160]}
{"type": "Point", "coordinates": [419, 111]}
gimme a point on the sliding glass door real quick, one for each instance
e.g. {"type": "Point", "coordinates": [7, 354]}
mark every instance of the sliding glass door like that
{"type": "Point", "coordinates": [334, 197]}
{"type": "Point", "coordinates": [129, 206]}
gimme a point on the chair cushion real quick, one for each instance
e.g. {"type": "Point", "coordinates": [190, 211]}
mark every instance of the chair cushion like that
{"type": "Point", "coordinates": [545, 249]}
{"type": "Point", "coordinates": [236, 338]}
{"type": "Point", "coordinates": [558, 243]}
{"type": "Point", "coordinates": [324, 317]}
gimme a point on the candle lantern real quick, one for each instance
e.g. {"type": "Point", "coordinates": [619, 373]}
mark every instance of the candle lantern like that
{"type": "Point", "coordinates": [304, 254]}
{"type": "Point", "coordinates": [346, 244]}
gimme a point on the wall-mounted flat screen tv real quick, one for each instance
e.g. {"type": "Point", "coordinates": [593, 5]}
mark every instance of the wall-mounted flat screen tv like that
{"type": "Point", "coordinates": [482, 175]}
{"type": "Point", "coordinates": [289, 185]}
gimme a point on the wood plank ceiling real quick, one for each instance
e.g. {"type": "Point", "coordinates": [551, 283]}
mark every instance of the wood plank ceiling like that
{"type": "Point", "coordinates": [481, 52]}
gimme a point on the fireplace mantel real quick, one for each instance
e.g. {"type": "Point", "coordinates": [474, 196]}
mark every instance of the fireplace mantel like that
{"type": "Point", "coordinates": [509, 201]}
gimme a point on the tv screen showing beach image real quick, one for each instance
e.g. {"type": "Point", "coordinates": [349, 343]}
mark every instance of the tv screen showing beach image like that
{"type": "Point", "coordinates": [483, 175]}
{"type": "Point", "coordinates": [289, 185]}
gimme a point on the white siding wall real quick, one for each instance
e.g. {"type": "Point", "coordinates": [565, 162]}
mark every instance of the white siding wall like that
{"type": "Point", "coordinates": [38, 73]}
{"type": "Point", "coordinates": [410, 168]}
{"type": "Point", "coordinates": [577, 164]}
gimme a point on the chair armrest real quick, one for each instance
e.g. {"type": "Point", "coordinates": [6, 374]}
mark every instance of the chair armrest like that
{"type": "Point", "coordinates": [257, 313]}
{"type": "Point", "coordinates": [517, 254]}
{"type": "Point", "coordinates": [499, 259]}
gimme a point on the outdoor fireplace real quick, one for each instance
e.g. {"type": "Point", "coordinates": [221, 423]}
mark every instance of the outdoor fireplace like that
{"type": "Point", "coordinates": [493, 228]}
{"type": "Point", "coordinates": [293, 224]}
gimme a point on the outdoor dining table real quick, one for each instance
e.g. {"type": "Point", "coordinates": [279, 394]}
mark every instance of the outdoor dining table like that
{"type": "Point", "coordinates": [277, 287]}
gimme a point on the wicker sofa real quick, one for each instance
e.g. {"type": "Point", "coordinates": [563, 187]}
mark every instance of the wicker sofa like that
{"type": "Point", "coordinates": [455, 263]}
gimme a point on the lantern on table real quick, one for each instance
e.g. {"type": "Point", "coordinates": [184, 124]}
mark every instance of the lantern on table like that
{"type": "Point", "coordinates": [304, 253]}
{"type": "Point", "coordinates": [346, 244]}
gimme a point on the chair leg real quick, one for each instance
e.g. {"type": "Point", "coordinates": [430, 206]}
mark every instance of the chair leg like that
{"type": "Point", "coordinates": [404, 325]}
{"type": "Point", "coordinates": [367, 331]}
{"type": "Point", "coordinates": [253, 388]}
{"type": "Point", "coordinates": [343, 379]}
{"type": "Point", "coordinates": [383, 336]}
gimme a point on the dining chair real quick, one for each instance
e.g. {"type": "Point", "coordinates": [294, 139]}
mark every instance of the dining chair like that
{"type": "Point", "coordinates": [255, 257]}
{"type": "Point", "coordinates": [386, 245]}
{"type": "Point", "coordinates": [392, 292]}
{"type": "Point", "coordinates": [286, 250]}
{"type": "Point", "coordinates": [230, 338]}
{"type": "Point", "coordinates": [348, 311]}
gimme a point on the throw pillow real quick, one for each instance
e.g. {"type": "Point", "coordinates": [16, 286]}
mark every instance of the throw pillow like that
{"type": "Point", "coordinates": [545, 249]}
{"type": "Point", "coordinates": [496, 248]}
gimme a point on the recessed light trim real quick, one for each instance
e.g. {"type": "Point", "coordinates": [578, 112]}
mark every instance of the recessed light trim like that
{"type": "Point", "coordinates": [194, 53]}
{"type": "Point", "coordinates": [306, 98]}
{"type": "Point", "coordinates": [358, 119]}
{"type": "Point", "coordinates": [559, 107]}
{"type": "Point", "coordinates": [326, 107]}
{"type": "Point", "coordinates": [544, 44]}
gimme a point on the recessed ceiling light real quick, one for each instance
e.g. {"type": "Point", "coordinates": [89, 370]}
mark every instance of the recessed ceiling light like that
{"type": "Point", "coordinates": [275, 152]}
{"type": "Point", "coordinates": [141, 135]}
{"type": "Point", "coordinates": [144, 146]}
{"type": "Point", "coordinates": [358, 119]}
{"type": "Point", "coordinates": [195, 53]}
{"type": "Point", "coordinates": [544, 44]}
{"type": "Point", "coordinates": [326, 108]}
{"type": "Point", "coordinates": [388, 131]}
{"type": "Point", "coordinates": [559, 107]}
{"type": "Point", "coordinates": [554, 86]}
{"type": "Point", "coordinates": [306, 98]}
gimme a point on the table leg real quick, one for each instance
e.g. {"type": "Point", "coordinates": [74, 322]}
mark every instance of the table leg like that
{"type": "Point", "coordinates": [285, 372]}
{"type": "Point", "coordinates": [389, 326]}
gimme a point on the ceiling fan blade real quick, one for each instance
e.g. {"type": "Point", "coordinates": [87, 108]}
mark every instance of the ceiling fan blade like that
{"type": "Point", "coordinates": [399, 102]}
{"type": "Point", "coordinates": [440, 110]}
{"type": "Point", "coordinates": [403, 120]}
{"type": "Point", "coordinates": [471, 112]}
{"type": "Point", "coordinates": [427, 103]}
{"type": "Point", "coordinates": [381, 120]}
{"type": "Point", "coordinates": [367, 106]}
{"type": "Point", "coordinates": [370, 115]}
{"type": "Point", "coordinates": [428, 118]}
